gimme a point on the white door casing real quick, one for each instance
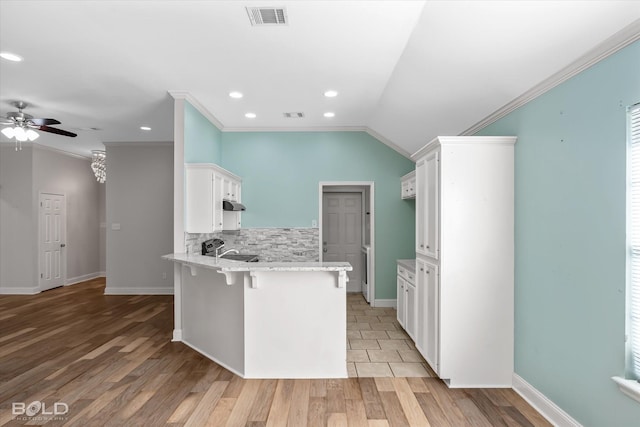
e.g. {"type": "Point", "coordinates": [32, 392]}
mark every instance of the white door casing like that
{"type": "Point", "coordinates": [342, 233]}
{"type": "Point", "coordinates": [52, 241]}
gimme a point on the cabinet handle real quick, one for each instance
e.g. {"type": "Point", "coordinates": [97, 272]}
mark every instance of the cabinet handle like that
{"type": "Point", "coordinates": [422, 246]}
{"type": "Point", "coordinates": [427, 246]}
{"type": "Point", "coordinates": [427, 271]}
{"type": "Point", "coordinates": [422, 269]}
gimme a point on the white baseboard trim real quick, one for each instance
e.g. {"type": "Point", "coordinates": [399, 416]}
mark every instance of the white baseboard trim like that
{"type": "Point", "coordinates": [102, 274]}
{"type": "Point", "coordinates": [138, 291]}
{"type": "Point", "coordinates": [552, 412]}
{"type": "Point", "coordinates": [177, 335]}
{"type": "Point", "coordinates": [83, 278]}
{"type": "Point", "coordinates": [385, 303]}
{"type": "Point", "coordinates": [19, 291]}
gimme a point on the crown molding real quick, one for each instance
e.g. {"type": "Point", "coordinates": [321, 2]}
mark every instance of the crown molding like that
{"type": "Point", "coordinates": [613, 44]}
{"type": "Point", "coordinates": [139, 144]}
{"type": "Point", "coordinates": [388, 142]}
{"type": "Point", "coordinates": [37, 146]}
{"type": "Point", "coordinates": [297, 129]}
{"type": "Point", "coordinates": [186, 96]}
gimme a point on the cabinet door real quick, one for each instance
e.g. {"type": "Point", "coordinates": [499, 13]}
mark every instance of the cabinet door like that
{"type": "Point", "coordinates": [199, 201]}
{"type": "Point", "coordinates": [430, 305]}
{"type": "Point", "coordinates": [431, 205]}
{"type": "Point", "coordinates": [421, 195]}
{"type": "Point", "coordinates": [410, 310]}
{"type": "Point", "coordinates": [400, 301]}
{"type": "Point", "coordinates": [233, 186]}
{"type": "Point", "coordinates": [217, 201]}
{"type": "Point", "coordinates": [226, 188]}
{"type": "Point", "coordinates": [405, 189]}
{"type": "Point", "coordinates": [412, 187]}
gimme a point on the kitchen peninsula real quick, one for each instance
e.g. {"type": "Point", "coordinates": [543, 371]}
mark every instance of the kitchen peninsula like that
{"type": "Point", "coordinates": [264, 319]}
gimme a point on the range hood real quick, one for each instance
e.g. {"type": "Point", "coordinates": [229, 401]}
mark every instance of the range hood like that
{"type": "Point", "coordinates": [232, 206]}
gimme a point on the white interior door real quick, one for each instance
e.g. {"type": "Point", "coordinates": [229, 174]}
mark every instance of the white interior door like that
{"type": "Point", "coordinates": [342, 233]}
{"type": "Point", "coordinates": [52, 247]}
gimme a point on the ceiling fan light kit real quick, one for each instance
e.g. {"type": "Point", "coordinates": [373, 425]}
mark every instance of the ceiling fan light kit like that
{"type": "Point", "coordinates": [22, 125]}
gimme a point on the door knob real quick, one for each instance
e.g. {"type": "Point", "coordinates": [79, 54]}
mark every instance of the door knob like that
{"type": "Point", "coordinates": [62, 245]}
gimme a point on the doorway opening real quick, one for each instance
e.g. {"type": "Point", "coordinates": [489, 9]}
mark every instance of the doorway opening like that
{"type": "Point", "coordinates": [346, 228]}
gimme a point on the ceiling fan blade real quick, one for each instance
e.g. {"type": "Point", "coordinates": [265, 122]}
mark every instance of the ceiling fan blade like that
{"type": "Point", "coordinates": [6, 122]}
{"type": "Point", "coordinates": [44, 122]}
{"type": "Point", "coordinates": [56, 131]}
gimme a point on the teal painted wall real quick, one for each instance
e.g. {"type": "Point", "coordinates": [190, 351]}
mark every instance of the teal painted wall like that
{"type": "Point", "coordinates": [280, 174]}
{"type": "Point", "coordinates": [570, 239]}
{"type": "Point", "coordinates": [202, 140]}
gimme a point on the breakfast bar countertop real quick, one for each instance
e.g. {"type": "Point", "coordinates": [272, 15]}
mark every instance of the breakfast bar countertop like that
{"type": "Point", "coordinates": [228, 265]}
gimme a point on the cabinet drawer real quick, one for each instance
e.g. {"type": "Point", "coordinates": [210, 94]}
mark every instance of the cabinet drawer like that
{"type": "Point", "coordinates": [406, 274]}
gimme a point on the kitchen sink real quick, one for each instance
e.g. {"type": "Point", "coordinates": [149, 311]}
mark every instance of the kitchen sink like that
{"type": "Point", "coordinates": [241, 257]}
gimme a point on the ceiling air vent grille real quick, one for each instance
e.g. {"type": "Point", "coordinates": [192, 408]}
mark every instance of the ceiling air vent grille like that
{"type": "Point", "coordinates": [293, 115]}
{"type": "Point", "coordinates": [267, 15]}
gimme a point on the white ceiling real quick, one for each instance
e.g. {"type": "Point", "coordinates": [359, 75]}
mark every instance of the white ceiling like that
{"type": "Point", "coordinates": [406, 70]}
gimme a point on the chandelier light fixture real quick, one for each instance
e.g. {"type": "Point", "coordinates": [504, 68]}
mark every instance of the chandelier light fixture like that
{"type": "Point", "coordinates": [99, 165]}
{"type": "Point", "coordinates": [21, 133]}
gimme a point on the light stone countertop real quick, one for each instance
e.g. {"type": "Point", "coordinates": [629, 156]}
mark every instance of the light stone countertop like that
{"type": "Point", "coordinates": [229, 265]}
{"type": "Point", "coordinates": [409, 264]}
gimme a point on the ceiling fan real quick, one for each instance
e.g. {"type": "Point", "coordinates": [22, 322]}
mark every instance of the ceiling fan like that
{"type": "Point", "coordinates": [23, 125]}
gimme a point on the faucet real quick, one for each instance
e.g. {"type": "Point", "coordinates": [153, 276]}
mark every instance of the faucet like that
{"type": "Point", "coordinates": [218, 254]}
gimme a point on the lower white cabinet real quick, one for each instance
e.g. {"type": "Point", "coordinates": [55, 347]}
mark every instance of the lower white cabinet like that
{"type": "Point", "coordinates": [406, 298]}
{"type": "Point", "coordinates": [428, 306]}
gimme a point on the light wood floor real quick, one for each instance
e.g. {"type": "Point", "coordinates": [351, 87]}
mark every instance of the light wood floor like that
{"type": "Point", "coordinates": [110, 359]}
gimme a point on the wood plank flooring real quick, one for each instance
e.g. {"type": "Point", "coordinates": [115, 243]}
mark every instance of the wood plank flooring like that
{"type": "Point", "coordinates": [110, 359]}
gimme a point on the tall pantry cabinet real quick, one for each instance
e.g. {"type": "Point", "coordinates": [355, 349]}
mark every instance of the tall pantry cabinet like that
{"type": "Point", "coordinates": [464, 258]}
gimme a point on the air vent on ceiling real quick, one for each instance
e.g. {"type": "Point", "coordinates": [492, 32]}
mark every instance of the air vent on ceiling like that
{"type": "Point", "coordinates": [267, 15]}
{"type": "Point", "coordinates": [293, 115]}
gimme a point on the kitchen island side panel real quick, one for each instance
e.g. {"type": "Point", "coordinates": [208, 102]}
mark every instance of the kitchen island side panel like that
{"type": "Point", "coordinates": [213, 317]}
{"type": "Point", "coordinates": [295, 325]}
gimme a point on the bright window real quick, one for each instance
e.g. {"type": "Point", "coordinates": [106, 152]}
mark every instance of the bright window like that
{"type": "Point", "coordinates": [633, 241]}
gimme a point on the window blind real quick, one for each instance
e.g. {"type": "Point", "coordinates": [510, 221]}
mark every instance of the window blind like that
{"type": "Point", "coordinates": [633, 287]}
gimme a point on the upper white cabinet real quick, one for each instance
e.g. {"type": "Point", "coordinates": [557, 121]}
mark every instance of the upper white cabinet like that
{"type": "Point", "coordinates": [206, 185]}
{"type": "Point", "coordinates": [231, 189]}
{"type": "Point", "coordinates": [427, 212]}
{"type": "Point", "coordinates": [464, 238]}
{"type": "Point", "coordinates": [408, 185]}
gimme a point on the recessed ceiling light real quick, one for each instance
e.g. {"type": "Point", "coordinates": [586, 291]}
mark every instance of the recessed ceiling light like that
{"type": "Point", "coordinates": [331, 93]}
{"type": "Point", "coordinates": [329, 114]}
{"type": "Point", "coordinates": [145, 128]}
{"type": "Point", "coordinates": [250, 115]}
{"type": "Point", "coordinates": [236, 95]}
{"type": "Point", "coordinates": [10, 56]}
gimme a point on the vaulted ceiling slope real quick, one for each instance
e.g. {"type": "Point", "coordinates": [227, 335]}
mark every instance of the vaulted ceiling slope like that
{"type": "Point", "coordinates": [404, 70]}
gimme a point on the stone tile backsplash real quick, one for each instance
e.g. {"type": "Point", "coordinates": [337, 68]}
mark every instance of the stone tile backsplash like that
{"type": "Point", "coordinates": [270, 244]}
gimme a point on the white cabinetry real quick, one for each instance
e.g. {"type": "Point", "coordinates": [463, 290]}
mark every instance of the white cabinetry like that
{"type": "Point", "coordinates": [427, 214]}
{"type": "Point", "coordinates": [408, 185]}
{"type": "Point", "coordinates": [205, 188]}
{"type": "Point", "coordinates": [406, 298]}
{"type": "Point", "coordinates": [464, 246]}
{"type": "Point", "coordinates": [231, 189]}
